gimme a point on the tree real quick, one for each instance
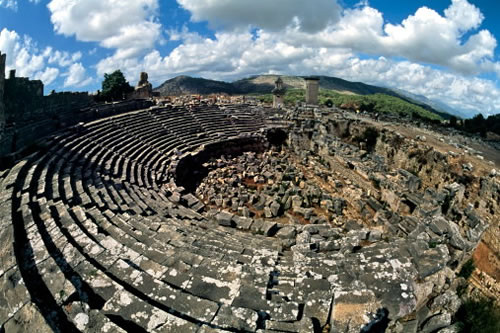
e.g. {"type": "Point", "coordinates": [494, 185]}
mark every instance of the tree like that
{"type": "Point", "coordinates": [115, 87]}
{"type": "Point", "coordinates": [476, 125]}
{"type": "Point", "coordinates": [453, 121]}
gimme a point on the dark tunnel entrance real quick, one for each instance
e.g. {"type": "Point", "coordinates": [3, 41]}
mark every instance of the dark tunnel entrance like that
{"type": "Point", "coordinates": [276, 136]}
{"type": "Point", "coordinates": [191, 171]}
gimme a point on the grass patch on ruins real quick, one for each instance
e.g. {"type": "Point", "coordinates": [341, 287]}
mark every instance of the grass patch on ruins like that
{"type": "Point", "coordinates": [376, 103]}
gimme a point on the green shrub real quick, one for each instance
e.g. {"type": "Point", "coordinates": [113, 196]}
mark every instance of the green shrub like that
{"type": "Point", "coordinates": [479, 316]}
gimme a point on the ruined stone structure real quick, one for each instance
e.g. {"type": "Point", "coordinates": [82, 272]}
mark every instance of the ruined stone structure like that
{"type": "Point", "coordinates": [278, 93]}
{"type": "Point", "coordinates": [213, 219]}
{"type": "Point", "coordinates": [26, 115]}
{"type": "Point", "coordinates": [312, 90]}
{"type": "Point", "coordinates": [144, 89]}
{"type": "Point", "coordinates": [2, 85]}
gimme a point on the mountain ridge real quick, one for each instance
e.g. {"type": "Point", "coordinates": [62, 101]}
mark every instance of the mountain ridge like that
{"type": "Point", "coordinates": [263, 84]}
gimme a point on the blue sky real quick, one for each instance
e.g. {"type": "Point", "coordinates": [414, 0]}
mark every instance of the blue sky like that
{"type": "Point", "coordinates": [443, 49]}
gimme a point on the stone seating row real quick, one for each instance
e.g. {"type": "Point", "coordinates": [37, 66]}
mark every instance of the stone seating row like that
{"type": "Point", "coordinates": [85, 208]}
{"type": "Point", "coordinates": [85, 238]}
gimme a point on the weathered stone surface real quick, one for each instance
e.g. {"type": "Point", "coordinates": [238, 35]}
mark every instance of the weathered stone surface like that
{"type": "Point", "coordinates": [352, 310]}
{"type": "Point", "coordinates": [243, 223]}
{"type": "Point", "coordinates": [317, 305]}
{"type": "Point", "coordinates": [275, 207]}
{"type": "Point", "coordinates": [29, 319]}
{"type": "Point", "coordinates": [286, 232]}
{"type": "Point", "coordinates": [224, 219]}
{"type": "Point", "coordinates": [455, 328]}
{"type": "Point", "coordinates": [13, 294]}
{"type": "Point", "coordinates": [114, 226]}
{"type": "Point", "coordinates": [436, 322]}
{"type": "Point", "coordinates": [281, 326]}
{"type": "Point", "coordinates": [236, 318]}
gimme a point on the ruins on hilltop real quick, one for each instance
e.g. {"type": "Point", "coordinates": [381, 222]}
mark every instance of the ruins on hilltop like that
{"type": "Point", "coordinates": [312, 90]}
{"type": "Point", "coordinates": [278, 93]}
{"type": "Point", "coordinates": [144, 89]}
{"type": "Point", "coordinates": [224, 217]}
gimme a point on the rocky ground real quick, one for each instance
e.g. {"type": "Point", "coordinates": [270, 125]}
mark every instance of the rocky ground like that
{"type": "Point", "coordinates": [213, 219]}
{"type": "Point", "coordinates": [388, 179]}
{"type": "Point", "coordinates": [475, 163]}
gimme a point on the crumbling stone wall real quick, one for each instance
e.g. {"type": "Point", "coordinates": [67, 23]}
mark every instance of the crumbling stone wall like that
{"type": "Point", "coordinates": [416, 194]}
{"type": "Point", "coordinates": [26, 115]}
{"type": "Point", "coordinates": [2, 84]}
{"type": "Point", "coordinates": [143, 90]}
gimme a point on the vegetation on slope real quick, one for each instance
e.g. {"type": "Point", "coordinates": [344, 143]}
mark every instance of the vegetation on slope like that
{"type": "Point", "coordinates": [378, 103]}
{"type": "Point", "coordinates": [264, 84]}
{"type": "Point", "coordinates": [479, 316]}
{"type": "Point", "coordinates": [479, 124]}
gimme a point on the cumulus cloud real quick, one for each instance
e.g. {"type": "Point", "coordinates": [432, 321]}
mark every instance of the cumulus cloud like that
{"type": "Point", "coordinates": [425, 36]}
{"type": "Point", "coordinates": [220, 58]}
{"type": "Point", "coordinates": [77, 76]}
{"type": "Point", "coordinates": [48, 75]}
{"type": "Point", "coordinates": [127, 25]}
{"type": "Point", "coordinates": [267, 52]}
{"type": "Point", "coordinates": [12, 4]}
{"type": "Point", "coordinates": [270, 15]}
{"type": "Point", "coordinates": [461, 92]}
{"type": "Point", "coordinates": [63, 59]}
{"type": "Point", "coordinates": [46, 65]}
{"type": "Point", "coordinates": [21, 53]}
{"type": "Point", "coordinates": [9, 4]}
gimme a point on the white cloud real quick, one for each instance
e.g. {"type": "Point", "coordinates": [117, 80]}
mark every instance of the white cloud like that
{"type": "Point", "coordinates": [425, 36]}
{"type": "Point", "coordinates": [221, 58]}
{"type": "Point", "coordinates": [270, 15]}
{"type": "Point", "coordinates": [46, 65]}
{"type": "Point", "coordinates": [267, 52]}
{"type": "Point", "coordinates": [127, 25]}
{"type": "Point", "coordinates": [461, 92]}
{"type": "Point", "coordinates": [10, 4]}
{"type": "Point", "coordinates": [63, 59]}
{"type": "Point", "coordinates": [48, 75]}
{"type": "Point", "coordinates": [77, 76]}
{"type": "Point", "coordinates": [21, 53]}
{"type": "Point", "coordinates": [293, 37]}
{"type": "Point", "coordinates": [464, 15]}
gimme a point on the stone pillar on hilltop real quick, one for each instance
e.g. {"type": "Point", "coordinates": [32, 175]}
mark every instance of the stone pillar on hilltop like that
{"type": "Point", "coordinates": [278, 93]}
{"type": "Point", "coordinates": [312, 90]}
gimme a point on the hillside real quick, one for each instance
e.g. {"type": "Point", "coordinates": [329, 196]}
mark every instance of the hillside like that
{"type": "Point", "coordinates": [435, 104]}
{"type": "Point", "coordinates": [185, 85]}
{"type": "Point", "coordinates": [377, 103]}
{"type": "Point", "coordinates": [264, 84]}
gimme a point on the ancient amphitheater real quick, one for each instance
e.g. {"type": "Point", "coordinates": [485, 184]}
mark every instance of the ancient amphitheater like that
{"type": "Point", "coordinates": [221, 218]}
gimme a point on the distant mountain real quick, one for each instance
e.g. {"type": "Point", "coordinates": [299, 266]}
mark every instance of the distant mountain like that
{"type": "Point", "coordinates": [440, 106]}
{"type": "Point", "coordinates": [264, 84]}
{"type": "Point", "coordinates": [185, 85]}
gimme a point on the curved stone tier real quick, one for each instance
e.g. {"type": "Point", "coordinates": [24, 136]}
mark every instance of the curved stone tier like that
{"type": "Point", "coordinates": [96, 236]}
